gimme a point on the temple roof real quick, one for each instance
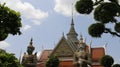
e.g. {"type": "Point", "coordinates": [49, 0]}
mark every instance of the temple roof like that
{"type": "Point", "coordinates": [63, 48]}
{"type": "Point", "coordinates": [66, 47]}
{"type": "Point", "coordinates": [72, 45]}
{"type": "Point", "coordinates": [94, 54]}
{"type": "Point", "coordinates": [44, 55]}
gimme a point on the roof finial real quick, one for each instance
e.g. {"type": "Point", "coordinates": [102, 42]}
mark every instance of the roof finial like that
{"type": "Point", "coordinates": [90, 47]}
{"type": "Point", "coordinates": [20, 56]}
{"type": "Point", "coordinates": [72, 23]}
{"type": "Point", "coordinates": [63, 33]}
{"type": "Point", "coordinates": [72, 9]}
{"type": "Point", "coordinates": [105, 46]}
{"type": "Point", "coordinates": [31, 41]}
{"type": "Point", "coordinates": [81, 38]}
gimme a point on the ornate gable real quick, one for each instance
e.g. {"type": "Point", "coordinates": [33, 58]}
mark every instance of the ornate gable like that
{"type": "Point", "coordinates": [62, 49]}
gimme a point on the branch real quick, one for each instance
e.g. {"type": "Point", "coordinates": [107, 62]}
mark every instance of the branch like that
{"type": "Point", "coordinates": [113, 33]}
{"type": "Point", "coordinates": [97, 2]}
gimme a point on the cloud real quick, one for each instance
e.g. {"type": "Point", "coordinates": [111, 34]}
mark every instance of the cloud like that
{"type": "Point", "coordinates": [4, 45]}
{"type": "Point", "coordinates": [26, 27]}
{"type": "Point", "coordinates": [64, 7]}
{"type": "Point", "coordinates": [36, 22]}
{"type": "Point", "coordinates": [27, 10]}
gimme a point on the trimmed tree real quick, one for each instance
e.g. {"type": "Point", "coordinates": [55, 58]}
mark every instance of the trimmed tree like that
{"type": "Point", "coordinates": [53, 61]}
{"type": "Point", "coordinates": [116, 65]}
{"type": "Point", "coordinates": [107, 61]}
{"type": "Point", "coordinates": [104, 13]}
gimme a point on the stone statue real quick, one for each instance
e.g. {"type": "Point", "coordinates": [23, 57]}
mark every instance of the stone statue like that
{"type": "Point", "coordinates": [81, 59]}
{"type": "Point", "coordinates": [30, 48]}
{"type": "Point", "coordinates": [81, 56]}
{"type": "Point", "coordinates": [29, 59]}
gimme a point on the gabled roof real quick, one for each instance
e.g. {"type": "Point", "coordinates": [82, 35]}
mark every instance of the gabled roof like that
{"type": "Point", "coordinates": [44, 55]}
{"type": "Point", "coordinates": [63, 48]}
{"type": "Point", "coordinates": [72, 45]}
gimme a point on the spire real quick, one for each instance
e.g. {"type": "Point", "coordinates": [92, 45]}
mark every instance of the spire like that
{"type": "Point", "coordinates": [81, 38]}
{"type": "Point", "coordinates": [31, 41]}
{"type": "Point", "coordinates": [72, 22]}
{"type": "Point", "coordinates": [72, 29]}
{"type": "Point", "coordinates": [105, 46]}
{"type": "Point", "coordinates": [81, 45]}
{"type": "Point", "coordinates": [72, 33]}
{"type": "Point", "coordinates": [30, 48]}
{"type": "Point", "coordinates": [90, 47]}
{"type": "Point", "coordinates": [63, 34]}
{"type": "Point", "coordinates": [20, 56]}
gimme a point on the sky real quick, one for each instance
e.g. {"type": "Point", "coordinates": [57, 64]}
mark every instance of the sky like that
{"type": "Point", "coordinates": [46, 20]}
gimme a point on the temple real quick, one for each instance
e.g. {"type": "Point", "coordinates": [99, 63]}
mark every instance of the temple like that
{"type": "Point", "coordinates": [73, 52]}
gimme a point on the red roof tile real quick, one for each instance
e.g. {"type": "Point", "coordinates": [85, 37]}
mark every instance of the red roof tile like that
{"type": "Point", "coordinates": [44, 55]}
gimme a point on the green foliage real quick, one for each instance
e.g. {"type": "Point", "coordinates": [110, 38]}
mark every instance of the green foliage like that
{"type": "Point", "coordinates": [8, 60]}
{"type": "Point", "coordinates": [93, 29]}
{"type": "Point", "coordinates": [53, 61]}
{"type": "Point", "coordinates": [104, 12]}
{"type": "Point", "coordinates": [84, 6]}
{"type": "Point", "coordinates": [107, 61]}
{"type": "Point", "coordinates": [10, 22]}
{"type": "Point", "coordinates": [117, 27]}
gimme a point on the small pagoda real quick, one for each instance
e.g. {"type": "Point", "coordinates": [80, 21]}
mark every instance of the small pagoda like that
{"type": "Point", "coordinates": [29, 59]}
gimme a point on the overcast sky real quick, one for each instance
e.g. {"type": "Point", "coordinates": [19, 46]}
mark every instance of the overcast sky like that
{"type": "Point", "coordinates": [46, 20]}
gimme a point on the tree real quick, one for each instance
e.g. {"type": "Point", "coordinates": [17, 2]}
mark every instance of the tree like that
{"type": "Point", "coordinates": [8, 59]}
{"type": "Point", "coordinates": [53, 61]}
{"type": "Point", "coordinates": [116, 65]}
{"type": "Point", "coordinates": [10, 22]}
{"type": "Point", "coordinates": [104, 13]}
{"type": "Point", "coordinates": [107, 61]}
